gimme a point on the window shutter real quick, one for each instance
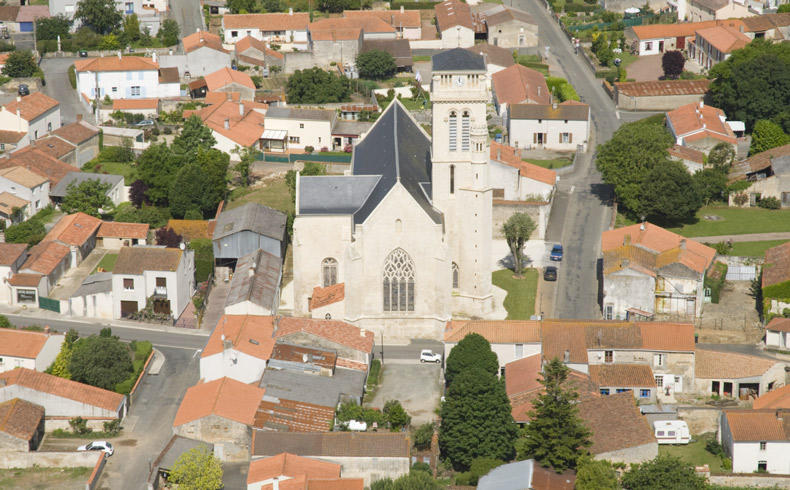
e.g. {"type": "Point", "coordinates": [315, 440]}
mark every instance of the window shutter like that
{"type": "Point", "coordinates": [534, 138]}
{"type": "Point", "coordinates": [560, 138]}
{"type": "Point", "coordinates": [570, 137]}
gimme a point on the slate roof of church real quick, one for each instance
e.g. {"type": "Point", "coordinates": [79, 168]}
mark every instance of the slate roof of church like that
{"type": "Point", "coordinates": [458, 59]}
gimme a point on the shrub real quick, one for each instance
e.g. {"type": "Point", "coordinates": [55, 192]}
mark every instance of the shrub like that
{"type": "Point", "coordinates": [167, 130]}
{"type": "Point", "coordinates": [726, 463]}
{"type": "Point", "coordinates": [740, 199]}
{"type": "Point", "coordinates": [80, 426]}
{"type": "Point", "coordinates": [713, 447]}
{"type": "Point", "coordinates": [5, 322]}
{"type": "Point", "coordinates": [770, 202]}
{"type": "Point", "coordinates": [420, 466]}
{"type": "Point", "coordinates": [423, 436]}
{"type": "Point", "coordinates": [715, 281]}
{"type": "Point", "coordinates": [373, 375]}
{"type": "Point", "coordinates": [309, 149]}
{"type": "Point", "coordinates": [481, 467]}
{"type": "Point", "coordinates": [395, 415]}
{"type": "Point", "coordinates": [112, 428]}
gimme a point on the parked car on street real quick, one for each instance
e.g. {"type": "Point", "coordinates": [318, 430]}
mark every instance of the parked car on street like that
{"type": "Point", "coordinates": [550, 274]}
{"type": "Point", "coordinates": [429, 356]}
{"type": "Point", "coordinates": [556, 253]}
{"type": "Point", "coordinates": [98, 446]}
{"type": "Point", "coordinates": [145, 122]}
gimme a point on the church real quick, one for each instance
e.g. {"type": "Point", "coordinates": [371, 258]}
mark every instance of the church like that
{"type": "Point", "coordinates": [402, 242]}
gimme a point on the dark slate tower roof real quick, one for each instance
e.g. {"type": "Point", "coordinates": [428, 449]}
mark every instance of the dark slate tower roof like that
{"type": "Point", "coordinates": [458, 59]}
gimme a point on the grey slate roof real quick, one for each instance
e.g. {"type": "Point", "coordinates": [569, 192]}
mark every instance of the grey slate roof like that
{"type": "Point", "coordinates": [351, 128]}
{"type": "Point", "coordinates": [334, 194]}
{"type": "Point", "coordinates": [309, 388]}
{"type": "Point", "coordinates": [310, 114]}
{"type": "Point", "coordinates": [513, 476]}
{"type": "Point", "coordinates": [261, 287]}
{"type": "Point", "coordinates": [400, 49]}
{"type": "Point", "coordinates": [95, 283]}
{"type": "Point", "coordinates": [458, 59]}
{"type": "Point", "coordinates": [252, 217]}
{"type": "Point", "coordinates": [77, 178]}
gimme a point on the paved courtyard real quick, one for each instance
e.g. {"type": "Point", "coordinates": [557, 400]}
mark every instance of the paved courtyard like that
{"type": "Point", "coordinates": [417, 386]}
{"type": "Point", "coordinates": [646, 68]}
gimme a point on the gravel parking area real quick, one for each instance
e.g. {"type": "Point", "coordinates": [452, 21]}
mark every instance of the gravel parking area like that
{"type": "Point", "coordinates": [417, 386]}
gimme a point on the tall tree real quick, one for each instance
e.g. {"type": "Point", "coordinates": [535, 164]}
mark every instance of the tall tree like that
{"type": "Point", "coordinates": [156, 167]}
{"type": "Point", "coordinates": [49, 28]}
{"type": "Point", "coordinates": [711, 183]}
{"type": "Point", "coordinates": [137, 193]}
{"type": "Point", "coordinates": [662, 473]}
{"type": "Point", "coordinates": [100, 361]}
{"type": "Point", "coordinates": [316, 86]}
{"type": "Point", "coordinates": [194, 136]}
{"type": "Point", "coordinates": [555, 436]}
{"type": "Point", "coordinates": [376, 64]}
{"type": "Point", "coordinates": [169, 32]}
{"type": "Point", "coordinates": [168, 237]}
{"type": "Point", "coordinates": [473, 351]}
{"type": "Point", "coordinates": [673, 62]}
{"type": "Point", "coordinates": [767, 135]}
{"type": "Point", "coordinates": [20, 64]}
{"type": "Point", "coordinates": [592, 474]}
{"type": "Point", "coordinates": [517, 230]}
{"type": "Point", "coordinates": [241, 6]}
{"type": "Point", "coordinates": [721, 156]}
{"type": "Point", "coordinates": [88, 197]}
{"type": "Point", "coordinates": [214, 164]}
{"type": "Point", "coordinates": [131, 28]}
{"type": "Point", "coordinates": [197, 469]}
{"type": "Point", "coordinates": [102, 16]}
{"type": "Point", "coordinates": [668, 193]}
{"type": "Point", "coordinates": [244, 166]}
{"type": "Point", "coordinates": [191, 189]}
{"type": "Point", "coordinates": [476, 419]}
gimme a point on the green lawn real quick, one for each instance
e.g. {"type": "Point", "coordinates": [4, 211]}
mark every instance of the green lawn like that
{"type": "Point", "coordinates": [115, 168]}
{"type": "Point", "coordinates": [37, 477]}
{"type": "Point", "coordinates": [409, 103]}
{"type": "Point", "coordinates": [694, 453]}
{"type": "Point", "coordinates": [274, 194]}
{"type": "Point", "coordinates": [418, 59]}
{"type": "Point", "coordinates": [520, 300]}
{"type": "Point", "coordinates": [107, 263]}
{"type": "Point", "coordinates": [557, 163]}
{"type": "Point", "coordinates": [753, 249]}
{"type": "Point", "coordinates": [735, 221]}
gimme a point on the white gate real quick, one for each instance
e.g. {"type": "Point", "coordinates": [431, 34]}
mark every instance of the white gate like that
{"type": "Point", "coordinates": [741, 273]}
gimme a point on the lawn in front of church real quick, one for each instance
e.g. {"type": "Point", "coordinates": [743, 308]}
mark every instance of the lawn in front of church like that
{"type": "Point", "coordinates": [520, 300]}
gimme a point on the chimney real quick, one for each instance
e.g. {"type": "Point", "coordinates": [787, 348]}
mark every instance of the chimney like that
{"type": "Point", "coordinates": [227, 123]}
{"type": "Point", "coordinates": [554, 105]}
{"type": "Point", "coordinates": [741, 29]}
{"type": "Point", "coordinates": [704, 126]}
{"type": "Point", "coordinates": [276, 483]}
{"type": "Point", "coordinates": [197, 30]}
{"type": "Point", "coordinates": [567, 355]}
{"type": "Point", "coordinates": [119, 55]}
{"type": "Point", "coordinates": [392, 20]}
{"type": "Point", "coordinates": [290, 11]}
{"type": "Point", "coordinates": [499, 153]}
{"type": "Point", "coordinates": [362, 332]}
{"type": "Point", "coordinates": [46, 329]}
{"type": "Point", "coordinates": [538, 90]}
{"type": "Point", "coordinates": [401, 9]}
{"type": "Point", "coordinates": [627, 239]}
{"type": "Point", "coordinates": [153, 56]}
{"type": "Point", "coordinates": [701, 104]}
{"type": "Point", "coordinates": [18, 99]}
{"type": "Point", "coordinates": [241, 110]}
{"type": "Point", "coordinates": [683, 244]}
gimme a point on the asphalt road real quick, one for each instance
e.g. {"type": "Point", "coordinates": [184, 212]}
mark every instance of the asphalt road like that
{"type": "Point", "coordinates": [410, 352]}
{"type": "Point", "coordinates": [56, 72]}
{"type": "Point", "coordinates": [188, 14]}
{"type": "Point", "coordinates": [581, 208]}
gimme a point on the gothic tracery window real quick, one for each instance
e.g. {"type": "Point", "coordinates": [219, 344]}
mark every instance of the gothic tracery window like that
{"type": "Point", "coordinates": [329, 271]}
{"type": "Point", "coordinates": [398, 281]}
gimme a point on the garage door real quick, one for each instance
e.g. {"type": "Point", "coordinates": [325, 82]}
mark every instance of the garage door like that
{"type": "Point", "coordinates": [26, 27]}
{"type": "Point", "coordinates": [127, 308]}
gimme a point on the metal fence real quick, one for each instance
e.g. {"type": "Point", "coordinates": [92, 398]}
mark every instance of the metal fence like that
{"type": "Point", "coordinates": [49, 304]}
{"type": "Point", "coordinates": [742, 273]}
{"type": "Point", "coordinates": [303, 157]}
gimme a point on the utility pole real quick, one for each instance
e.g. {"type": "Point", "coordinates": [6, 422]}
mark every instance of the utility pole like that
{"type": "Point", "coordinates": [382, 347]}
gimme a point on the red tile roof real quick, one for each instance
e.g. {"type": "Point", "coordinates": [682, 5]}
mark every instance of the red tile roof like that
{"type": "Point", "coordinates": [334, 35]}
{"type": "Point", "coordinates": [25, 280]}
{"type": "Point", "coordinates": [334, 330]}
{"type": "Point", "coordinates": [20, 418]}
{"type": "Point", "coordinates": [548, 479]}
{"type": "Point", "coordinates": [135, 104]}
{"type": "Point", "coordinates": [245, 123]}
{"type": "Point", "coordinates": [662, 88]}
{"type": "Point", "coordinates": [249, 42]}
{"type": "Point", "coordinates": [296, 21]}
{"type": "Point", "coordinates": [776, 267]}
{"type": "Point", "coordinates": [9, 202]}
{"type": "Point", "coordinates": [45, 257]}
{"type": "Point", "coordinates": [779, 324]}
{"type": "Point", "coordinates": [74, 229]}
{"type": "Point", "coordinates": [199, 39]}
{"type": "Point", "coordinates": [21, 343]}
{"type": "Point", "coordinates": [683, 29]}
{"type": "Point", "coordinates": [622, 375]}
{"type": "Point", "coordinates": [32, 106]}
{"type": "Point", "coordinates": [136, 260]}
{"type": "Point", "coordinates": [54, 146]}
{"type": "Point", "coordinates": [291, 465]}
{"type": "Point", "coordinates": [616, 423]}
{"type": "Point", "coordinates": [114, 63]}
{"type": "Point", "coordinates": [293, 416]}
{"type": "Point", "coordinates": [64, 388]}
{"type": "Point", "coordinates": [224, 397]}
{"type": "Point", "coordinates": [367, 24]}
{"type": "Point", "coordinates": [77, 132]}
{"type": "Point", "coordinates": [495, 331]}
{"type": "Point", "coordinates": [327, 296]}
{"type": "Point", "coordinates": [710, 364]}
{"type": "Point", "coordinates": [10, 252]}
{"type": "Point", "coordinates": [22, 176]}
{"type": "Point", "coordinates": [521, 376]}
{"type": "Point", "coordinates": [451, 13]}
{"type": "Point", "coordinates": [686, 153]}
{"type": "Point", "coordinates": [724, 38]}
{"type": "Point", "coordinates": [111, 229]}
{"type": "Point", "coordinates": [758, 425]}
{"type": "Point", "coordinates": [40, 163]}
{"type": "Point", "coordinates": [11, 137]}
{"type": "Point", "coordinates": [779, 398]}
{"type": "Point", "coordinates": [226, 76]}
{"type": "Point", "coordinates": [695, 122]}
{"type": "Point", "coordinates": [518, 84]}
{"type": "Point", "coordinates": [249, 334]}
{"type": "Point", "coordinates": [510, 156]}
{"type": "Point", "coordinates": [395, 18]}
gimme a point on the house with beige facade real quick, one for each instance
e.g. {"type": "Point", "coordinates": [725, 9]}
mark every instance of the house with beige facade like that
{"type": "Point", "coordinates": [564, 126]}
{"type": "Point", "coordinates": [740, 376]}
{"type": "Point", "coordinates": [514, 179]}
{"type": "Point", "coordinates": [298, 128]}
{"type": "Point", "coordinates": [768, 174]}
{"type": "Point", "coordinates": [454, 24]}
{"type": "Point", "coordinates": [510, 28]}
{"type": "Point", "coordinates": [406, 23]}
{"type": "Point", "coordinates": [288, 29]}
{"type": "Point", "coordinates": [704, 10]}
{"type": "Point", "coordinates": [659, 95]}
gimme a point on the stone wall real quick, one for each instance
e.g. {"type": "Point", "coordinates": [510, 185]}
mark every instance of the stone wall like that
{"type": "Point", "coordinates": [309, 340]}
{"type": "Point", "coordinates": [700, 419]}
{"type": "Point", "coordinates": [751, 480]}
{"type": "Point", "coordinates": [658, 103]}
{"type": "Point", "coordinates": [50, 460]}
{"type": "Point", "coordinates": [631, 455]}
{"type": "Point", "coordinates": [298, 60]}
{"type": "Point", "coordinates": [371, 469]}
{"type": "Point", "coordinates": [539, 212]}
{"type": "Point", "coordinates": [231, 439]}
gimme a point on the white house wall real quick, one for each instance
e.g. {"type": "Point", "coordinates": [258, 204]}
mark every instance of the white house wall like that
{"type": "Point", "coordinates": [522, 133]}
{"type": "Point", "coordinates": [49, 121]}
{"type": "Point", "coordinates": [458, 38]}
{"type": "Point", "coordinates": [49, 352]}
{"type": "Point", "coordinates": [122, 81]}
{"type": "Point", "coordinates": [628, 289]}
{"type": "Point", "coordinates": [56, 406]}
{"type": "Point", "coordinates": [314, 133]}
{"type": "Point", "coordinates": [232, 364]}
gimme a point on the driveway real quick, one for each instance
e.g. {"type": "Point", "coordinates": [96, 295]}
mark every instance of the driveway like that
{"type": "Point", "coordinates": [418, 387]}
{"type": "Point", "coordinates": [646, 68]}
{"type": "Point", "coordinates": [73, 278]}
{"type": "Point", "coordinates": [59, 88]}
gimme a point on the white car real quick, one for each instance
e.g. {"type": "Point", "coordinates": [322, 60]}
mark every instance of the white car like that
{"type": "Point", "coordinates": [98, 446]}
{"type": "Point", "coordinates": [428, 356]}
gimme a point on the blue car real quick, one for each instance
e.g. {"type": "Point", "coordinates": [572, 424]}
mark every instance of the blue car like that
{"type": "Point", "coordinates": [556, 253]}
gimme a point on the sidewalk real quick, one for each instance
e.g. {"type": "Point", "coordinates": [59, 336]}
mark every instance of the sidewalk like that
{"type": "Point", "coordinates": [754, 237]}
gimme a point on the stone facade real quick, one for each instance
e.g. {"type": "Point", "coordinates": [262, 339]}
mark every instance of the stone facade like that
{"type": "Point", "coordinates": [654, 103]}
{"type": "Point", "coordinates": [638, 454]}
{"type": "Point", "coordinates": [231, 439]}
{"type": "Point", "coordinates": [513, 34]}
{"type": "Point", "coordinates": [370, 469]}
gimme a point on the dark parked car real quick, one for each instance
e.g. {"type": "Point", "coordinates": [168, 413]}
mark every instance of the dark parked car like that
{"type": "Point", "coordinates": [83, 53]}
{"type": "Point", "coordinates": [556, 253]}
{"type": "Point", "coordinates": [550, 274]}
{"type": "Point", "coordinates": [23, 89]}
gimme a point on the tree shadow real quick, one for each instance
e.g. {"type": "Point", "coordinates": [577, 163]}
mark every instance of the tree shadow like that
{"type": "Point", "coordinates": [604, 193]}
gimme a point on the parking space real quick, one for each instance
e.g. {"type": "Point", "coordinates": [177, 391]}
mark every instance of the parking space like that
{"type": "Point", "coordinates": [417, 386]}
{"type": "Point", "coordinates": [537, 252]}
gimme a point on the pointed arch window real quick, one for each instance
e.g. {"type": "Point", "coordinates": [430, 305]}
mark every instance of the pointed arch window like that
{"type": "Point", "coordinates": [465, 129]}
{"type": "Point", "coordinates": [329, 271]}
{"type": "Point", "coordinates": [456, 275]}
{"type": "Point", "coordinates": [453, 128]}
{"type": "Point", "coordinates": [398, 281]}
{"type": "Point", "coordinates": [452, 179]}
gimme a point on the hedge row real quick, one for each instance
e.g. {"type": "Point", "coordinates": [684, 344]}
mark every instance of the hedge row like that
{"type": "Point", "coordinates": [715, 281]}
{"type": "Point", "coordinates": [142, 350]}
{"type": "Point", "coordinates": [576, 7]}
{"type": "Point", "coordinates": [413, 5]}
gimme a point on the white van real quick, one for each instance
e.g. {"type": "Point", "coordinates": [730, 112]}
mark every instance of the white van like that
{"type": "Point", "coordinates": [672, 432]}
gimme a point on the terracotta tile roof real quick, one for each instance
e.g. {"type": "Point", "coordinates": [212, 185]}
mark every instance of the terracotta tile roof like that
{"type": "Point", "coordinates": [249, 334]}
{"type": "Point", "coordinates": [29, 13]}
{"type": "Point", "coordinates": [9, 202]}
{"type": "Point", "coordinates": [451, 13]}
{"type": "Point", "coordinates": [21, 343]}
{"type": "Point", "coordinates": [199, 39]}
{"type": "Point", "coordinates": [74, 229]}
{"type": "Point", "coordinates": [622, 375]}
{"type": "Point", "coordinates": [10, 252]}
{"type": "Point", "coordinates": [692, 122]}
{"type": "Point", "coordinates": [369, 25]}
{"type": "Point", "coordinates": [615, 422]}
{"type": "Point", "coordinates": [334, 35]}
{"type": "Point", "coordinates": [9, 12]}
{"type": "Point", "coordinates": [395, 18]}
{"type": "Point", "coordinates": [22, 176]}
{"type": "Point", "coordinates": [136, 260]}
{"type": "Point", "coordinates": [758, 425]}
{"type": "Point", "coordinates": [561, 336]}
{"type": "Point", "coordinates": [135, 104]}
{"type": "Point", "coordinates": [521, 403]}
{"type": "Point", "coordinates": [658, 241]}
{"type": "Point", "coordinates": [333, 330]}
{"type": "Point", "coordinates": [686, 153]}
{"type": "Point", "coordinates": [224, 397]}
{"type": "Point", "coordinates": [333, 444]}
{"type": "Point", "coordinates": [521, 376]}
{"type": "Point", "coordinates": [724, 38]}
{"type": "Point", "coordinates": [190, 229]}
{"type": "Point", "coordinates": [766, 21]}
{"type": "Point", "coordinates": [762, 160]}
{"type": "Point", "coordinates": [336, 484]}
{"type": "Point", "coordinates": [297, 483]}
{"type": "Point", "coordinates": [53, 146]}
{"type": "Point", "coordinates": [296, 21]}
{"type": "Point", "coordinates": [114, 63]}
{"type": "Point", "coordinates": [662, 88]}
{"type": "Point", "coordinates": [169, 75]}
{"type": "Point", "coordinates": [495, 331]}
{"type": "Point", "coordinates": [20, 418]}
{"type": "Point", "coordinates": [220, 97]}
{"type": "Point", "coordinates": [111, 229]}
{"type": "Point", "coordinates": [710, 364]}
{"type": "Point", "coordinates": [518, 84]}
{"type": "Point", "coordinates": [494, 54]}
{"type": "Point", "coordinates": [64, 388]}
{"type": "Point", "coordinates": [286, 464]}
{"type": "Point", "coordinates": [683, 29]}
{"type": "Point", "coordinates": [570, 110]}
{"type": "Point", "coordinates": [508, 15]}
{"type": "Point", "coordinates": [779, 324]}
{"type": "Point", "coordinates": [327, 296]}
{"type": "Point", "coordinates": [25, 280]}
{"type": "Point", "coordinates": [249, 42]}
{"type": "Point", "coordinates": [665, 336]}
{"type": "Point", "coordinates": [776, 267]}
{"type": "Point", "coordinates": [11, 137]}
{"type": "Point", "coordinates": [39, 163]}
{"type": "Point", "coordinates": [349, 364]}
{"type": "Point", "coordinates": [510, 156]}
{"type": "Point", "coordinates": [293, 416]}
{"type": "Point", "coordinates": [305, 355]}
{"type": "Point", "coordinates": [32, 106]}
{"type": "Point", "coordinates": [226, 76]}
{"type": "Point", "coordinates": [779, 398]}
{"type": "Point", "coordinates": [45, 257]}
{"type": "Point", "coordinates": [77, 132]}
{"type": "Point", "coordinates": [244, 129]}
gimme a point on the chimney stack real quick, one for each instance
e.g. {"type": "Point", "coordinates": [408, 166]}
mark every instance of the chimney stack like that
{"type": "Point", "coordinates": [567, 355]}
{"type": "Point", "coordinates": [683, 244]}
{"type": "Point", "coordinates": [241, 109]}
{"type": "Point", "coordinates": [46, 329]}
{"type": "Point", "coordinates": [701, 104]}
{"type": "Point", "coordinates": [401, 9]}
{"type": "Point", "coordinates": [554, 105]}
{"type": "Point", "coordinates": [227, 123]}
{"type": "Point", "coordinates": [290, 11]}
{"type": "Point", "coordinates": [538, 90]}
{"type": "Point", "coordinates": [499, 154]}
{"type": "Point", "coordinates": [627, 240]}
{"type": "Point", "coordinates": [119, 55]}
{"type": "Point", "coordinates": [362, 332]}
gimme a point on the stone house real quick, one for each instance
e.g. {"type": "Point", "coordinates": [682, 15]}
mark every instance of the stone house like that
{"type": "Point", "coordinates": [510, 28]}
{"type": "Point", "coordinates": [514, 179]}
{"type": "Point", "coordinates": [31, 350]}
{"type": "Point", "coordinates": [371, 456]}
{"type": "Point", "coordinates": [38, 162]}
{"type": "Point", "coordinates": [564, 126]}
{"type": "Point", "coordinates": [340, 46]}
{"type": "Point", "coordinates": [228, 80]}
{"type": "Point", "coordinates": [700, 127]}
{"type": "Point", "coordinates": [114, 235]}
{"type": "Point", "coordinates": [78, 232]}
{"type": "Point", "coordinates": [9, 206]}
{"type": "Point", "coordinates": [756, 440]}
{"type": "Point", "coordinates": [253, 52]}
{"type": "Point", "coordinates": [776, 280]}
{"type": "Point", "coordinates": [619, 378]}
{"type": "Point", "coordinates": [57, 148]}
{"type": "Point", "coordinates": [203, 53]}
{"type": "Point", "coordinates": [85, 138]}
{"type": "Point", "coordinates": [659, 38]}
{"type": "Point", "coordinates": [21, 426]}
{"type": "Point", "coordinates": [693, 160]}
{"type": "Point", "coordinates": [648, 270]}
{"type": "Point", "coordinates": [702, 10]}
{"type": "Point", "coordinates": [510, 340]}
{"type": "Point", "coordinates": [620, 433]}
{"type": "Point", "coordinates": [288, 30]}
{"type": "Point", "coordinates": [45, 265]}
{"type": "Point", "coordinates": [353, 345]}
{"type": "Point", "coordinates": [454, 24]}
{"type": "Point", "coordinates": [767, 173]}
{"type": "Point", "coordinates": [25, 186]}
{"type": "Point", "coordinates": [659, 95]}
{"type": "Point", "coordinates": [238, 348]}
{"type": "Point", "coordinates": [220, 412]}
{"type": "Point", "coordinates": [739, 376]}
{"type": "Point", "coordinates": [768, 26]}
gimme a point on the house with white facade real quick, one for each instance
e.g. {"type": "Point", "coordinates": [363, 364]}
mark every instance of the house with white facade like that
{"type": "Point", "coordinates": [777, 333]}
{"type": "Point", "coordinates": [114, 235]}
{"type": "Point", "coordinates": [555, 126]}
{"type": "Point", "coordinates": [31, 116]}
{"type": "Point", "coordinates": [715, 44]}
{"type": "Point", "coordinates": [454, 24]}
{"type": "Point", "coordinates": [649, 270]}
{"type": "Point", "coordinates": [255, 285]}
{"type": "Point", "coordinates": [514, 179]}
{"type": "Point", "coordinates": [302, 127]}
{"type": "Point", "coordinates": [700, 126]}
{"type": "Point", "coordinates": [12, 257]}
{"type": "Point", "coordinates": [510, 340]}
{"type": "Point", "coordinates": [239, 348]}
{"type": "Point", "coordinates": [229, 80]}
{"type": "Point", "coordinates": [125, 77]}
{"type": "Point", "coordinates": [27, 186]}
{"type": "Point", "coordinates": [203, 53]}
{"type": "Point", "coordinates": [288, 29]}
{"type": "Point", "coordinates": [659, 38]}
{"type": "Point", "coordinates": [405, 22]}
{"type": "Point", "coordinates": [31, 350]}
{"type": "Point", "coordinates": [234, 124]}
{"type": "Point", "coordinates": [756, 440]}
{"type": "Point", "coordinates": [165, 276]}
{"type": "Point", "coordinates": [92, 299]}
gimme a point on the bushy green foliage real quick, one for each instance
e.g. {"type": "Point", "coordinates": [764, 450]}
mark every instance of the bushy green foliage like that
{"type": "Point", "coordinates": [79, 426]}
{"type": "Point", "coordinates": [420, 466]}
{"type": "Point", "coordinates": [423, 436]}
{"type": "Point", "coordinates": [480, 467]}
{"type": "Point", "coordinates": [101, 16]}
{"type": "Point", "coordinates": [517, 230]}
{"type": "Point", "coordinates": [710, 184]}
{"type": "Point", "coordinates": [668, 194]}
{"type": "Point", "coordinates": [169, 32]}
{"type": "Point", "coordinates": [204, 257]}
{"type": "Point", "coordinates": [376, 64]}
{"type": "Point", "coordinates": [767, 135]}
{"type": "Point", "coordinates": [395, 415]}
{"type": "Point", "coordinates": [100, 361]}
{"type": "Point", "coordinates": [310, 168]}
{"type": "Point", "coordinates": [5, 322]}
{"type": "Point", "coordinates": [473, 351]}
{"type": "Point", "coordinates": [153, 215]}
{"type": "Point", "coordinates": [197, 469]}
{"type": "Point", "coordinates": [562, 89]}
{"type": "Point", "coordinates": [662, 473]}
{"type": "Point", "coordinates": [416, 480]}
{"type": "Point", "coordinates": [596, 475]}
{"type": "Point", "coordinates": [89, 196]}
{"type": "Point", "coordinates": [373, 374]}
{"type": "Point", "coordinates": [316, 86]}
{"type": "Point", "coordinates": [31, 232]}
{"type": "Point", "coordinates": [352, 411]}
{"type": "Point", "coordinates": [20, 64]}
{"type": "Point", "coordinates": [769, 202]}
{"type": "Point", "coordinates": [49, 28]}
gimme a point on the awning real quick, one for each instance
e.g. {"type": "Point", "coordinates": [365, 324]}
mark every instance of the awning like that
{"type": "Point", "coordinates": [737, 125]}
{"type": "Point", "coordinates": [274, 134]}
